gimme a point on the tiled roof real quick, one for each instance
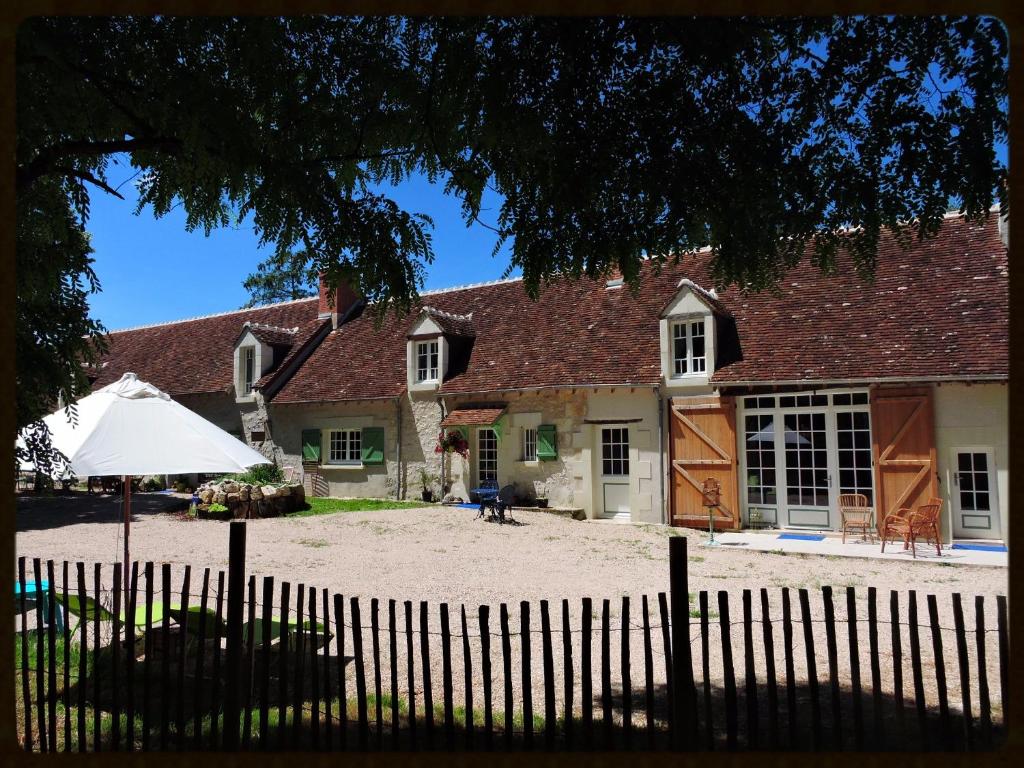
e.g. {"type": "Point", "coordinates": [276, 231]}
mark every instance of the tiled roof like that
{"type": "Point", "coordinates": [272, 334]}
{"type": "Point", "coordinates": [939, 309]}
{"type": "Point", "coordinates": [461, 417]}
{"type": "Point", "coordinates": [452, 324]}
{"type": "Point", "coordinates": [193, 356]}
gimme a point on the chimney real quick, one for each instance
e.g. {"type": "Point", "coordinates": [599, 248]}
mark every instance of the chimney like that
{"type": "Point", "coordinates": [338, 303]}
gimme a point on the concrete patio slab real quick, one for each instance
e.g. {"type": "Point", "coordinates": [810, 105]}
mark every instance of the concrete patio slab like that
{"type": "Point", "coordinates": [834, 546]}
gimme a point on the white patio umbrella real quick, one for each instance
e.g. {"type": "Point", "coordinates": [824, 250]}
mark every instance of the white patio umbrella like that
{"type": "Point", "coordinates": [131, 428]}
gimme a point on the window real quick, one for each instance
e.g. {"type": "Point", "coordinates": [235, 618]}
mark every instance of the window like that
{"type": "Point", "coordinates": [487, 454]}
{"type": "Point", "coordinates": [529, 445]}
{"type": "Point", "coordinates": [248, 369]}
{"type": "Point", "coordinates": [807, 479]}
{"type": "Point", "coordinates": [344, 446]}
{"type": "Point", "coordinates": [688, 350]}
{"type": "Point", "coordinates": [615, 451]}
{"type": "Point", "coordinates": [760, 448]}
{"type": "Point", "coordinates": [853, 438]}
{"type": "Point", "coordinates": [972, 477]}
{"type": "Point", "coordinates": [426, 361]}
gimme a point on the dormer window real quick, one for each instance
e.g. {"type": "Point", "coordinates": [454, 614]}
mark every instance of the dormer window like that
{"type": "Point", "coordinates": [426, 361]}
{"type": "Point", "coordinates": [249, 369]}
{"type": "Point", "coordinates": [689, 354]}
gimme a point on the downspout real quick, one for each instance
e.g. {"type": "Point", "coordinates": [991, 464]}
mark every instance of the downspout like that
{"type": "Point", "coordinates": [444, 412]}
{"type": "Point", "coordinates": [398, 449]}
{"type": "Point", "coordinates": [661, 454]}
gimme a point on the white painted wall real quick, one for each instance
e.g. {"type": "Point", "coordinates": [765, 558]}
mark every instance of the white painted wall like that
{"type": "Point", "coordinates": [975, 415]}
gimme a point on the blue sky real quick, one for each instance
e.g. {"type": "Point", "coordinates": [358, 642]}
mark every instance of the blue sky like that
{"type": "Point", "coordinates": [152, 270]}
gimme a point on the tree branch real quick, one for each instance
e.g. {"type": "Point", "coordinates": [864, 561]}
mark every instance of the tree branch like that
{"type": "Point", "coordinates": [44, 162]}
{"type": "Point", "coordinates": [68, 171]}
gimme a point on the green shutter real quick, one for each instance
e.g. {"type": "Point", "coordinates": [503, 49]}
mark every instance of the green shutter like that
{"type": "Point", "coordinates": [547, 446]}
{"type": "Point", "coordinates": [500, 428]}
{"type": "Point", "coordinates": [373, 445]}
{"type": "Point", "coordinates": [311, 445]}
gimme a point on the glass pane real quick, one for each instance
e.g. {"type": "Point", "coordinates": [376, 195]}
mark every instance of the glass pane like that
{"type": "Point", "coordinates": [861, 420]}
{"type": "Point", "coordinates": [981, 462]}
{"type": "Point", "coordinates": [966, 501]}
{"type": "Point", "coordinates": [966, 481]}
{"type": "Point", "coordinates": [819, 400]}
{"type": "Point", "coordinates": [787, 402]}
{"type": "Point", "coordinates": [749, 402]}
{"type": "Point", "coordinates": [841, 399]}
{"type": "Point", "coordinates": [845, 439]}
{"type": "Point", "coordinates": [963, 461]}
{"type": "Point", "coordinates": [862, 439]}
{"type": "Point", "coordinates": [860, 398]}
{"type": "Point", "coordinates": [981, 501]}
{"type": "Point", "coordinates": [981, 481]}
{"type": "Point", "coordinates": [766, 402]}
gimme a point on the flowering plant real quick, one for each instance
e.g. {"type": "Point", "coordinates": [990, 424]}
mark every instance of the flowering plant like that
{"type": "Point", "coordinates": [452, 441]}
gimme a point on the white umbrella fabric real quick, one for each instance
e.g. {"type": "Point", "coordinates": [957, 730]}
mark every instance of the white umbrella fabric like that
{"type": "Point", "coordinates": [131, 428]}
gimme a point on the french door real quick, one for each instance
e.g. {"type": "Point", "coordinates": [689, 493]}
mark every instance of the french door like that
{"type": "Point", "coordinates": [615, 472]}
{"type": "Point", "coordinates": [486, 455]}
{"type": "Point", "coordinates": [976, 512]}
{"type": "Point", "coordinates": [800, 452]}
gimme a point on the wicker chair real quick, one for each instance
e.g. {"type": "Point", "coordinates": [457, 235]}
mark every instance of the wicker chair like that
{"type": "Point", "coordinates": [855, 513]}
{"type": "Point", "coordinates": [897, 523]}
{"type": "Point", "coordinates": [924, 524]}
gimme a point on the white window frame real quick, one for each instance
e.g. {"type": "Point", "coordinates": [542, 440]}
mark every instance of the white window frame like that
{"type": "Point", "coordinates": [349, 449]}
{"type": "Point", "coordinates": [529, 444]}
{"type": "Point", "coordinates": [248, 369]}
{"type": "Point", "coordinates": [615, 437]}
{"type": "Point", "coordinates": [432, 353]}
{"type": "Point", "coordinates": [689, 333]}
{"type": "Point", "coordinates": [480, 453]}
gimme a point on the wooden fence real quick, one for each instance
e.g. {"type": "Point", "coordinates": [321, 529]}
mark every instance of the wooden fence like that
{"type": "Point", "coordinates": [206, 665]}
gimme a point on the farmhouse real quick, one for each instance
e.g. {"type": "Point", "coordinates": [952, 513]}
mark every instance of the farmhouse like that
{"type": "Point", "coordinates": [622, 403]}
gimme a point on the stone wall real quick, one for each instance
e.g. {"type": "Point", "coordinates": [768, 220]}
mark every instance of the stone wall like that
{"type": "Point", "coordinates": [244, 500]}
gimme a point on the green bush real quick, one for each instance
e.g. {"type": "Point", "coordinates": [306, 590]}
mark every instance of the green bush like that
{"type": "Point", "coordinates": [261, 474]}
{"type": "Point", "coordinates": [218, 508]}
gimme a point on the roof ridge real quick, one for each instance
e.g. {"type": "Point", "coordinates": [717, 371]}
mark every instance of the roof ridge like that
{"type": "Point", "coordinates": [212, 314]}
{"type": "Point", "coordinates": [268, 327]}
{"type": "Point", "coordinates": [450, 315]}
{"type": "Point", "coordinates": [499, 281]}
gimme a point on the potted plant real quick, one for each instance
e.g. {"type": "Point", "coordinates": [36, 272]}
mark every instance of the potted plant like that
{"type": "Point", "coordinates": [452, 441]}
{"type": "Point", "coordinates": [427, 481]}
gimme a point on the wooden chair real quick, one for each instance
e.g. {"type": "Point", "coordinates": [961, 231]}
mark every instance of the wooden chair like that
{"type": "Point", "coordinates": [895, 523]}
{"type": "Point", "coordinates": [855, 513]}
{"type": "Point", "coordinates": [924, 524]}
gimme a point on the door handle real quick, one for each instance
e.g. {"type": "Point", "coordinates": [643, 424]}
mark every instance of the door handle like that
{"type": "Point", "coordinates": [956, 479]}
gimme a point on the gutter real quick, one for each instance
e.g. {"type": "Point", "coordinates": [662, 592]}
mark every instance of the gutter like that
{"type": "Point", "coordinates": [398, 449]}
{"type": "Point", "coordinates": [661, 454]}
{"type": "Point", "coordinates": [633, 385]}
{"type": "Point", "coordinates": [821, 383]}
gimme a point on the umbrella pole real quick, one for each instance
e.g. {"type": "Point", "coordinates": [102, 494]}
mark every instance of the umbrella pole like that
{"type": "Point", "coordinates": [127, 480]}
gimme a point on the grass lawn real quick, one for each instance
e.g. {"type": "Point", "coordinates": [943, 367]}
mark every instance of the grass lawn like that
{"type": "Point", "coordinates": [324, 506]}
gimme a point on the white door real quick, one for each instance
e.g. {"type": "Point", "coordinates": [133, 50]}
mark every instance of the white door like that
{"type": "Point", "coordinates": [808, 479]}
{"type": "Point", "coordinates": [615, 472]}
{"type": "Point", "coordinates": [975, 507]}
{"type": "Point", "coordinates": [486, 455]}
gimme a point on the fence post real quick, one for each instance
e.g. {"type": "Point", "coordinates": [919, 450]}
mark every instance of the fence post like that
{"type": "Point", "coordinates": [682, 672]}
{"type": "Point", "coordinates": [233, 653]}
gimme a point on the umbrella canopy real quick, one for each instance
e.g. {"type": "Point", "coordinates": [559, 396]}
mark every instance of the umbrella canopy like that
{"type": "Point", "coordinates": [132, 428]}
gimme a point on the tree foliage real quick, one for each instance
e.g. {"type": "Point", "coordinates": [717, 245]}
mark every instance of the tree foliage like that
{"type": "Point", "coordinates": [279, 279]}
{"type": "Point", "coordinates": [607, 138]}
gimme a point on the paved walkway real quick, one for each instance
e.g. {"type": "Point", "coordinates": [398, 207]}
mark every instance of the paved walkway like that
{"type": "Point", "coordinates": [833, 545]}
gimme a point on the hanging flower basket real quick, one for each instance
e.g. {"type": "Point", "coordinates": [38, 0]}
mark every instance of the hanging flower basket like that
{"type": "Point", "coordinates": [452, 441]}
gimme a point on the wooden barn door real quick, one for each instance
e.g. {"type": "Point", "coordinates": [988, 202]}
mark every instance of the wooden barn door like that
{"type": "Point", "coordinates": [702, 444]}
{"type": "Point", "coordinates": [903, 437]}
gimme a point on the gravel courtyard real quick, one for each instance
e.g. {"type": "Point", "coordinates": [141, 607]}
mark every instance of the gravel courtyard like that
{"type": "Point", "coordinates": [441, 554]}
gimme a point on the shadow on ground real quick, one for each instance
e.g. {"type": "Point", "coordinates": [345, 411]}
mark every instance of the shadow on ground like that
{"type": "Point", "coordinates": [39, 513]}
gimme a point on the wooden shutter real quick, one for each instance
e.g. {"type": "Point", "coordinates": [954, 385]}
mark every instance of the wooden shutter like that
{"type": "Point", "coordinates": [702, 444]}
{"type": "Point", "coordinates": [547, 446]}
{"type": "Point", "coordinates": [903, 437]}
{"type": "Point", "coordinates": [311, 445]}
{"type": "Point", "coordinates": [372, 445]}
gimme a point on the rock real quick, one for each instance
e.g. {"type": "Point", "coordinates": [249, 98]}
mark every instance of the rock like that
{"type": "Point", "coordinates": [269, 491]}
{"type": "Point", "coordinates": [243, 492]}
{"type": "Point", "coordinates": [256, 493]}
{"type": "Point", "coordinates": [298, 493]}
{"type": "Point", "coordinates": [219, 497]}
{"type": "Point", "coordinates": [232, 499]}
{"type": "Point", "coordinates": [206, 495]}
{"type": "Point", "coordinates": [231, 487]}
